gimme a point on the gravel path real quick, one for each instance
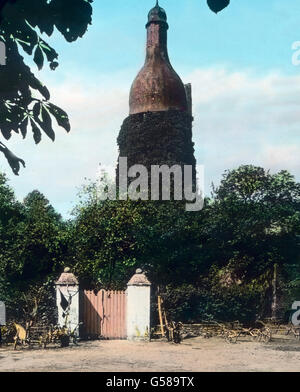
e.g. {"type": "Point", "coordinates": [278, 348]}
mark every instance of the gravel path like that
{"type": "Point", "coordinates": [192, 355]}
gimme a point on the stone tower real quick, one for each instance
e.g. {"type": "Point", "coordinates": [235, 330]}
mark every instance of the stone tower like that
{"type": "Point", "coordinates": [158, 129]}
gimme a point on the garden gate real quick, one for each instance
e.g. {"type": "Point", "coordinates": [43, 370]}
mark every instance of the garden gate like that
{"type": "Point", "coordinates": [104, 314]}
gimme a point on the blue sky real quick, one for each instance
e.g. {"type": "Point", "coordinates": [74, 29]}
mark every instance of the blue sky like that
{"type": "Point", "coordinates": [247, 34]}
{"type": "Point", "coordinates": [246, 91]}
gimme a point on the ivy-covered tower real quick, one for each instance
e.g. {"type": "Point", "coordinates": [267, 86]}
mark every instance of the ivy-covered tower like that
{"type": "Point", "coordinates": [158, 129]}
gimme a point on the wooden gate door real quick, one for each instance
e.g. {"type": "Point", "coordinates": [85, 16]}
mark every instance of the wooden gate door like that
{"type": "Point", "coordinates": [104, 314]}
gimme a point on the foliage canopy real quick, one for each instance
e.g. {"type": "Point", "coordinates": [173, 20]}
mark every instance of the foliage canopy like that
{"type": "Point", "coordinates": [24, 100]}
{"type": "Point", "coordinates": [227, 252]}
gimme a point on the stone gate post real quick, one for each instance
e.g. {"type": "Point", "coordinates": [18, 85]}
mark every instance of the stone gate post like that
{"type": "Point", "coordinates": [138, 307]}
{"type": "Point", "coordinates": [2, 314]}
{"type": "Point", "coordinates": [2, 318]}
{"type": "Point", "coordinates": [67, 301]}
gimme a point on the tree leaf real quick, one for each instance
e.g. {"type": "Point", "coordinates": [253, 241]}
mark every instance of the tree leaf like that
{"type": "Point", "coordinates": [60, 116]}
{"type": "Point", "coordinates": [72, 17]}
{"type": "Point", "coordinates": [217, 5]}
{"type": "Point", "coordinates": [46, 124]}
{"type": "Point", "coordinates": [23, 127]}
{"type": "Point", "coordinates": [39, 57]}
{"type": "Point", "coordinates": [37, 134]}
{"type": "Point", "coordinates": [49, 52]}
{"type": "Point", "coordinates": [36, 109]}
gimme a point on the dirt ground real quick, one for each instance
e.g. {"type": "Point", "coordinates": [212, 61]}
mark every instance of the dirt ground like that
{"type": "Point", "coordinates": [191, 355]}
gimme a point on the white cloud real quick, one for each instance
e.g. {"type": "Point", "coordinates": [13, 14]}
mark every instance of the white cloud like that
{"type": "Point", "coordinates": [96, 112]}
{"type": "Point", "coordinates": [280, 157]}
{"type": "Point", "coordinates": [240, 118]}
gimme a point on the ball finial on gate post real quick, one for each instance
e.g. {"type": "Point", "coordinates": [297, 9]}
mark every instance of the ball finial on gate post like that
{"type": "Point", "coordinates": [139, 279]}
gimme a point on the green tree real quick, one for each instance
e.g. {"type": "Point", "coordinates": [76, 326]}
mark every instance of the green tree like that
{"type": "Point", "coordinates": [255, 226]}
{"type": "Point", "coordinates": [111, 238]}
{"type": "Point", "coordinates": [228, 251]}
{"type": "Point", "coordinates": [32, 246]}
{"type": "Point", "coordinates": [12, 215]}
{"type": "Point", "coordinates": [42, 241]}
{"type": "Point", "coordinates": [24, 100]}
{"type": "Point", "coordinates": [31, 238]}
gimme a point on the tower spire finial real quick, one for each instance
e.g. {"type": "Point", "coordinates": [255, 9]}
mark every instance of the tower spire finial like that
{"type": "Point", "coordinates": [157, 3]}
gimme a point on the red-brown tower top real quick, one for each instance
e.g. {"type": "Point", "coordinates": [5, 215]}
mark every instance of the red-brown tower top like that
{"type": "Point", "coordinates": [157, 87]}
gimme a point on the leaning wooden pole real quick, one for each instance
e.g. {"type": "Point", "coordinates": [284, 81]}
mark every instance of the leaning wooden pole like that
{"type": "Point", "coordinates": [274, 305]}
{"type": "Point", "coordinates": [160, 316]}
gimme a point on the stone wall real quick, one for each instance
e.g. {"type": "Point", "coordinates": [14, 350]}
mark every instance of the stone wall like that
{"type": "Point", "coordinates": [157, 138]}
